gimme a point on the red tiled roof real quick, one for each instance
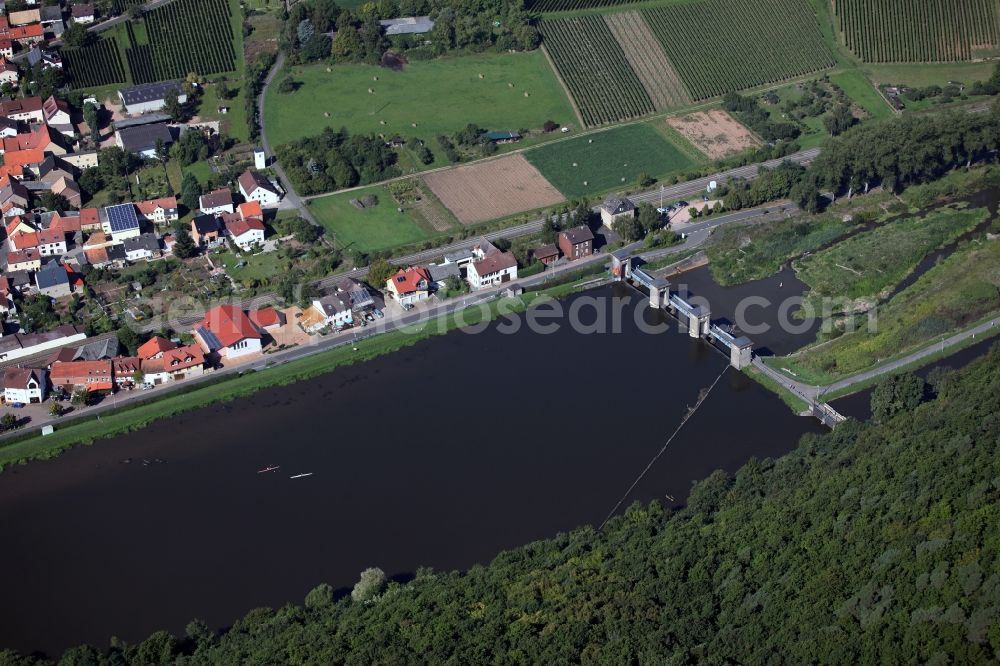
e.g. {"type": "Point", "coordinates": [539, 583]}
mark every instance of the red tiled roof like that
{"type": "Point", "coordinates": [229, 324]}
{"type": "Point", "coordinates": [23, 105]}
{"type": "Point", "coordinates": [265, 317]}
{"type": "Point", "coordinates": [50, 236]}
{"type": "Point", "coordinates": [149, 207]}
{"type": "Point", "coordinates": [33, 31]}
{"type": "Point", "coordinates": [407, 281]}
{"type": "Point", "coordinates": [96, 256]}
{"type": "Point", "coordinates": [14, 222]}
{"type": "Point", "coordinates": [95, 375]}
{"type": "Point", "coordinates": [240, 227]}
{"type": "Point", "coordinates": [23, 239]}
{"type": "Point", "coordinates": [40, 137]}
{"type": "Point", "coordinates": [22, 256]}
{"type": "Point", "coordinates": [90, 216]}
{"type": "Point", "coordinates": [68, 224]}
{"type": "Point", "coordinates": [495, 263]}
{"type": "Point", "coordinates": [155, 345]}
{"type": "Point", "coordinates": [19, 158]}
{"type": "Point", "coordinates": [175, 360]}
{"type": "Point", "coordinates": [251, 209]}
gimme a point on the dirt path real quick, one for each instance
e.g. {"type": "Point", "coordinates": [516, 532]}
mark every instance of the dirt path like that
{"type": "Point", "coordinates": [648, 59]}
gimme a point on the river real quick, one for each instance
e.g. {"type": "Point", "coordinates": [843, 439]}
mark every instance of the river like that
{"type": "Point", "coordinates": [440, 455]}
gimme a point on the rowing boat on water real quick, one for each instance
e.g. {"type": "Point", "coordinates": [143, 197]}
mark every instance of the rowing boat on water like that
{"type": "Point", "coordinates": [299, 476]}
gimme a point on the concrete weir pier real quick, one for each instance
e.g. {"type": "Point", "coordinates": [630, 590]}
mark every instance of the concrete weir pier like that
{"type": "Point", "coordinates": [697, 318]}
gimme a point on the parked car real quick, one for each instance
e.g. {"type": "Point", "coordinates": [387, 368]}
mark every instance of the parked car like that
{"type": "Point", "coordinates": [378, 313]}
{"type": "Point", "coordinates": [17, 405]}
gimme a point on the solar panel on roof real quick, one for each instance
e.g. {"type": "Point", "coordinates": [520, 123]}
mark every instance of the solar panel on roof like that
{"type": "Point", "coordinates": [209, 338]}
{"type": "Point", "coordinates": [122, 218]}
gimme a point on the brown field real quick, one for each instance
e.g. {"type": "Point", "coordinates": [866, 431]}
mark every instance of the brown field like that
{"type": "Point", "coordinates": [647, 58]}
{"type": "Point", "coordinates": [714, 132]}
{"type": "Point", "coordinates": [493, 189]}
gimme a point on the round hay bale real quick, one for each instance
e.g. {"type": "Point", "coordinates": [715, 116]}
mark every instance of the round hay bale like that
{"type": "Point", "coordinates": [527, 94]}
{"type": "Point", "coordinates": [413, 124]}
{"type": "Point", "coordinates": [329, 69]}
{"type": "Point", "coordinates": [482, 76]}
{"type": "Point", "coordinates": [326, 114]}
{"type": "Point", "coordinates": [381, 122]}
{"type": "Point", "coordinates": [586, 183]}
{"type": "Point", "coordinates": [623, 179]}
{"type": "Point", "coordinates": [590, 141]}
{"type": "Point", "coordinates": [574, 163]}
{"type": "Point", "coordinates": [371, 91]}
{"type": "Point", "coordinates": [374, 78]}
{"type": "Point", "coordinates": [510, 85]}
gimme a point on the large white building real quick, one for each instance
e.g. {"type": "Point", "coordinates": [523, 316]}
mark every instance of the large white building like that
{"type": "Point", "coordinates": [150, 96]}
{"type": "Point", "coordinates": [492, 269]}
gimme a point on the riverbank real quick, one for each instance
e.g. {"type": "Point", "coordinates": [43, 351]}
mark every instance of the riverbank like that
{"type": "Point", "coordinates": [88, 429]}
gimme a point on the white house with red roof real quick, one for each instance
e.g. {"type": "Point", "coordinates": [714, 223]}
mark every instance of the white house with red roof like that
{"type": "Point", "coordinates": [246, 233]}
{"type": "Point", "coordinates": [255, 187]}
{"type": "Point", "coordinates": [228, 331]}
{"type": "Point", "coordinates": [158, 211]}
{"type": "Point", "coordinates": [155, 347]}
{"type": "Point", "coordinates": [174, 364]}
{"type": "Point", "coordinates": [23, 385]}
{"type": "Point", "coordinates": [409, 285]}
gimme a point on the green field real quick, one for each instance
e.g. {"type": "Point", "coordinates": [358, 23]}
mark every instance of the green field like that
{"type": "Point", "coordinates": [928, 74]}
{"type": "Point", "coordinates": [608, 160]}
{"type": "Point", "coordinates": [261, 267]}
{"type": "Point", "coordinates": [857, 86]}
{"type": "Point", "coordinates": [377, 228]}
{"type": "Point", "coordinates": [441, 96]}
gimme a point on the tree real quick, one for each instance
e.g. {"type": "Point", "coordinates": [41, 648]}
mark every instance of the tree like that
{"type": "Point", "coordinates": [93, 120]}
{"type": "Point", "coordinates": [320, 596]}
{"type": "Point", "coordinates": [839, 120]}
{"type": "Point", "coordinates": [379, 271]}
{"type": "Point", "coordinates": [628, 228]}
{"type": "Point", "coordinates": [129, 339]}
{"type": "Point", "coordinates": [190, 191]}
{"type": "Point", "coordinates": [649, 218]}
{"type": "Point", "coordinates": [9, 422]}
{"type": "Point", "coordinates": [899, 393]}
{"type": "Point", "coordinates": [53, 201]}
{"type": "Point", "coordinates": [77, 36]}
{"type": "Point", "coordinates": [644, 180]}
{"type": "Point", "coordinates": [55, 409]}
{"type": "Point", "coordinates": [222, 90]}
{"type": "Point", "coordinates": [370, 585]}
{"type": "Point", "coordinates": [173, 107]}
{"type": "Point", "coordinates": [287, 85]}
{"type": "Point", "coordinates": [81, 398]}
{"type": "Point", "coordinates": [184, 247]}
{"type": "Point", "coordinates": [138, 376]}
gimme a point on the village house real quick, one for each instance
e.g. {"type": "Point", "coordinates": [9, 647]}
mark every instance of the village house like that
{"type": "Point", "coordinates": [90, 219]}
{"type": "Point", "coordinates": [150, 97]}
{"type": "Point", "coordinates": [69, 190]}
{"type": "Point", "coordinates": [82, 12]}
{"type": "Point", "coordinates": [216, 202]}
{"type": "Point", "coordinates": [616, 208]}
{"type": "Point", "coordinates": [577, 243]}
{"type": "Point", "coordinates": [174, 365]}
{"type": "Point", "coordinates": [57, 115]}
{"type": "Point", "coordinates": [255, 187]}
{"type": "Point", "coordinates": [503, 137]}
{"type": "Point", "coordinates": [27, 109]}
{"type": "Point", "coordinates": [8, 128]}
{"type": "Point", "coordinates": [228, 331]}
{"type": "Point", "coordinates": [493, 269]}
{"type": "Point", "coordinates": [408, 25]}
{"type": "Point", "coordinates": [141, 247]}
{"type": "Point", "coordinates": [52, 169]}
{"type": "Point", "coordinates": [24, 386]}
{"type": "Point", "coordinates": [331, 311]}
{"type": "Point", "coordinates": [44, 57]}
{"type": "Point", "coordinates": [86, 375]}
{"type": "Point", "coordinates": [246, 233]}
{"type": "Point", "coordinates": [51, 242]}
{"type": "Point", "coordinates": [356, 293]}
{"type": "Point", "coordinates": [120, 221]}
{"type": "Point", "coordinates": [52, 280]}
{"type": "Point", "coordinates": [547, 254]}
{"type": "Point", "coordinates": [6, 296]}
{"type": "Point", "coordinates": [41, 137]}
{"type": "Point", "coordinates": [206, 230]}
{"type": "Point", "coordinates": [18, 162]}
{"type": "Point", "coordinates": [24, 260]}
{"type": "Point", "coordinates": [6, 46]}
{"type": "Point", "coordinates": [27, 35]}
{"type": "Point", "coordinates": [159, 211]}
{"type": "Point", "coordinates": [126, 369]}
{"type": "Point", "coordinates": [19, 345]}
{"type": "Point", "coordinates": [409, 286]}
{"type": "Point", "coordinates": [155, 347]}
{"type": "Point", "coordinates": [24, 17]}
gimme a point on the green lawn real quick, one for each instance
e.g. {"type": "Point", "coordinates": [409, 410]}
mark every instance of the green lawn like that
{"type": "Point", "coordinates": [608, 160]}
{"type": "Point", "coordinates": [370, 229]}
{"type": "Point", "coordinates": [926, 74]}
{"type": "Point", "coordinates": [258, 267]}
{"type": "Point", "coordinates": [860, 89]}
{"type": "Point", "coordinates": [441, 96]}
{"type": "Point", "coordinates": [234, 123]}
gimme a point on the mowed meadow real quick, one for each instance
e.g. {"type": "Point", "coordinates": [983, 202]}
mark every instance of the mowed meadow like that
{"type": "Point", "coordinates": [502, 92]}
{"type": "Point", "coordinates": [610, 160]}
{"type": "Point", "coordinates": [627, 64]}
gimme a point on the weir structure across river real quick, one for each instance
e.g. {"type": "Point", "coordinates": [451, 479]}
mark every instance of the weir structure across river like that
{"type": "Point", "coordinates": [697, 317]}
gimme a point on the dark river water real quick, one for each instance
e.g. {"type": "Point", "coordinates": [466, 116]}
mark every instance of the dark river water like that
{"type": "Point", "coordinates": [440, 455]}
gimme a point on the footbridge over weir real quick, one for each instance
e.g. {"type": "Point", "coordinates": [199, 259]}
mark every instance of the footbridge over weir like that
{"type": "Point", "coordinates": [698, 318]}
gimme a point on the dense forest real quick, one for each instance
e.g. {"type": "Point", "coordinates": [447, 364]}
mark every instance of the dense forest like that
{"type": "Point", "coordinates": [876, 543]}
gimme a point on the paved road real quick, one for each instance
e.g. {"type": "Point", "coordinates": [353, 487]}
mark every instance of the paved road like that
{"type": "Point", "coordinates": [813, 394]}
{"type": "Point", "coordinates": [291, 196]}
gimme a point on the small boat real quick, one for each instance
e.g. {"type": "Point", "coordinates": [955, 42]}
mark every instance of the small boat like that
{"type": "Point", "coordinates": [271, 468]}
{"type": "Point", "coordinates": [299, 476]}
